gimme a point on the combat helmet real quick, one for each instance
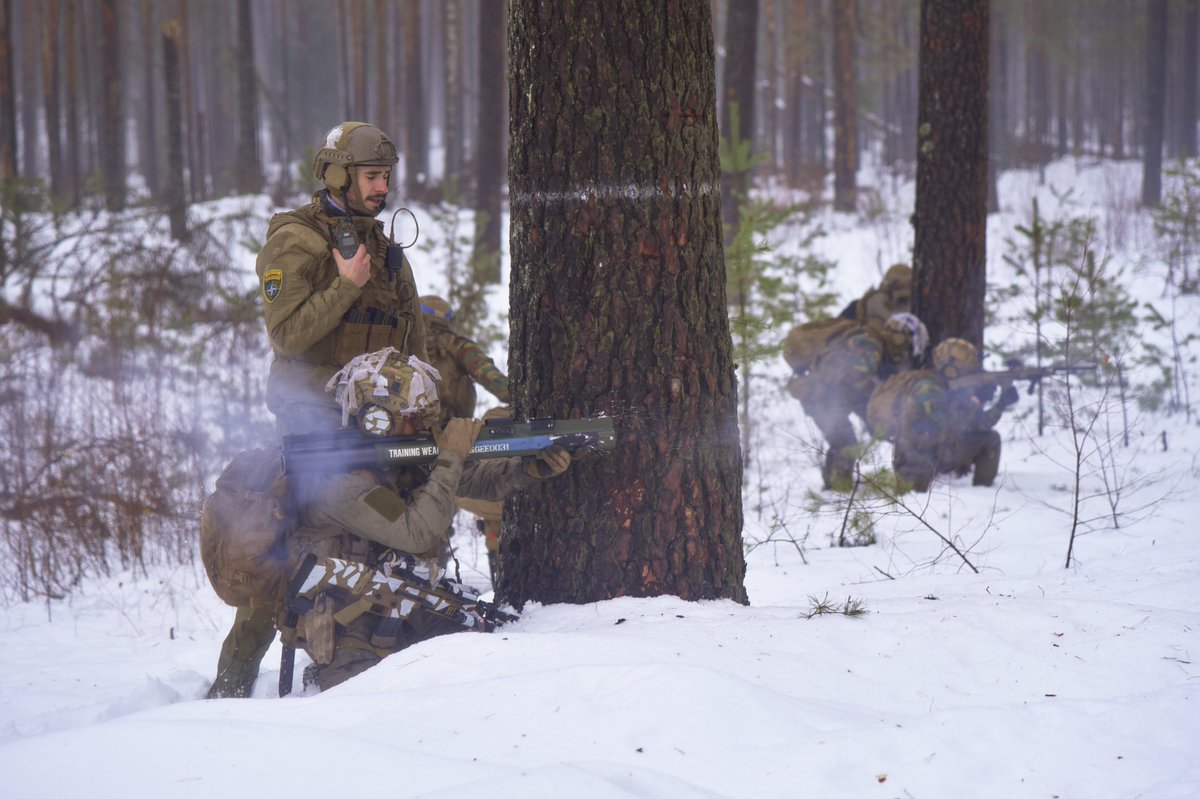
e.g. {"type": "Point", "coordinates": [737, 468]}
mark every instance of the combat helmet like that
{"type": "Point", "coordinates": [897, 284]}
{"type": "Point", "coordinates": [905, 337]}
{"type": "Point", "coordinates": [347, 145]}
{"type": "Point", "coordinates": [437, 309]}
{"type": "Point", "coordinates": [378, 388]}
{"type": "Point", "coordinates": [955, 357]}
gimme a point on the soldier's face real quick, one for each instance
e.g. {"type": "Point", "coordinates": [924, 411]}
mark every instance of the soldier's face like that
{"type": "Point", "coordinates": [371, 186]}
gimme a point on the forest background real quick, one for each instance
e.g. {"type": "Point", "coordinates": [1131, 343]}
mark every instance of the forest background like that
{"type": "Point", "coordinates": [121, 120]}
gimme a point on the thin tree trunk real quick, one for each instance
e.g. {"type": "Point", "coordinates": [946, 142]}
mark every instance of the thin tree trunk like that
{"type": "Point", "coordinates": [845, 128]}
{"type": "Point", "coordinates": [489, 145]}
{"type": "Point", "coordinates": [70, 24]}
{"type": "Point", "coordinates": [148, 112]}
{"type": "Point", "coordinates": [452, 130]}
{"type": "Point", "coordinates": [248, 178]}
{"type": "Point", "coordinates": [112, 134]}
{"type": "Point", "coordinates": [416, 144]}
{"type": "Point", "coordinates": [741, 48]}
{"type": "Point", "coordinates": [8, 95]}
{"type": "Point", "coordinates": [1187, 104]}
{"type": "Point", "coordinates": [50, 88]}
{"type": "Point", "coordinates": [172, 34]}
{"type": "Point", "coordinates": [1156, 91]}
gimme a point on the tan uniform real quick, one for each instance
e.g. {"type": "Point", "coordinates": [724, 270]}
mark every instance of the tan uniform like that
{"type": "Point", "coordinates": [938, 430]}
{"type": "Point", "coordinates": [317, 320]}
{"type": "Point", "coordinates": [358, 515]}
{"type": "Point", "coordinates": [838, 381]}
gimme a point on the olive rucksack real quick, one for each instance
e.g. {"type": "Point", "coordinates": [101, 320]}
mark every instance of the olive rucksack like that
{"type": "Point", "coordinates": [806, 342]}
{"type": "Point", "coordinates": [244, 527]}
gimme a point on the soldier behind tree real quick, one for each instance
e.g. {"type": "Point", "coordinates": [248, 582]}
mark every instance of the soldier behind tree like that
{"type": "Point", "coordinates": [893, 295]}
{"type": "Point", "coordinates": [321, 310]}
{"type": "Point", "coordinates": [837, 364]}
{"type": "Point", "coordinates": [937, 429]}
{"type": "Point", "coordinates": [461, 362]}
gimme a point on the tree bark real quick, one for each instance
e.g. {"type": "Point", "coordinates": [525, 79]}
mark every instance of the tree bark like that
{"type": "Point", "coordinates": [490, 142]}
{"type": "Point", "coordinates": [618, 302]}
{"type": "Point", "coordinates": [148, 110]}
{"type": "Point", "coordinates": [845, 128]}
{"type": "Point", "coordinates": [741, 48]}
{"type": "Point", "coordinates": [1156, 96]}
{"type": "Point", "coordinates": [50, 90]}
{"type": "Point", "coordinates": [1187, 104]}
{"type": "Point", "coordinates": [416, 140]}
{"type": "Point", "coordinates": [172, 33]}
{"type": "Point", "coordinates": [248, 176]}
{"type": "Point", "coordinates": [112, 127]}
{"type": "Point", "coordinates": [8, 95]}
{"type": "Point", "coordinates": [950, 246]}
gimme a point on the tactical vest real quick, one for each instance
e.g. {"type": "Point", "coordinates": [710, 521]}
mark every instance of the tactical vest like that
{"type": "Point", "coordinates": [807, 342]}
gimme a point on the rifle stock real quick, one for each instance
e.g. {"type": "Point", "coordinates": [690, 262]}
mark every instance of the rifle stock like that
{"type": "Point", "coordinates": [347, 450]}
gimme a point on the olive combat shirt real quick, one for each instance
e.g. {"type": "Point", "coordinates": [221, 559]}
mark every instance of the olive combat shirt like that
{"type": "Point", "coordinates": [318, 320]}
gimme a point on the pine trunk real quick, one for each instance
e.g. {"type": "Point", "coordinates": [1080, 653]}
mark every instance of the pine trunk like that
{"type": "Point", "coordinates": [845, 128]}
{"type": "Point", "coordinates": [950, 220]}
{"type": "Point", "coordinates": [618, 303]}
{"type": "Point", "coordinates": [489, 144]}
{"type": "Point", "coordinates": [8, 95]}
{"type": "Point", "coordinates": [1156, 94]}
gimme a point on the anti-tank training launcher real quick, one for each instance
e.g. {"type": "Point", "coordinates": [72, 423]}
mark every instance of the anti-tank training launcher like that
{"type": "Point", "coordinates": [347, 450]}
{"type": "Point", "coordinates": [1017, 373]}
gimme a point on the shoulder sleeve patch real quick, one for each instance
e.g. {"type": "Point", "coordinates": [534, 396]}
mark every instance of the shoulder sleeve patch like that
{"type": "Point", "coordinates": [272, 284]}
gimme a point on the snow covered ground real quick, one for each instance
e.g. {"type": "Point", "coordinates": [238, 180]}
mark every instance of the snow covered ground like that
{"type": "Point", "coordinates": [995, 673]}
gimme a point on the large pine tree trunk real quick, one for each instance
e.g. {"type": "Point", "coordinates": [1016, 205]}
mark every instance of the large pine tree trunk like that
{"type": "Point", "coordinates": [618, 302]}
{"type": "Point", "coordinates": [950, 247]}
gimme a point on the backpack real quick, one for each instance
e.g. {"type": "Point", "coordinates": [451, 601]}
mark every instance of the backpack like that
{"type": "Point", "coordinates": [807, 342]}
{"type": "Point", "coordinates": [244, 526]}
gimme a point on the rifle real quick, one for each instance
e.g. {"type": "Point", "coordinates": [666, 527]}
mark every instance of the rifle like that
{"type": "Point", "coordinates": [1034, 374]}
{"type": "Point", "coordinates": [392, 589]}
{"type": "Point", "coordinates": [347, 450]}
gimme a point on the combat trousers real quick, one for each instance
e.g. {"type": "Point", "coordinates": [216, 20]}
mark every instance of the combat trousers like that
{"type": "Point", "coordinates": [242, 652]}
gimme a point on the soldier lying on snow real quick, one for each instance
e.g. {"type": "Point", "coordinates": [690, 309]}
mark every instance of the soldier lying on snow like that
{"type": "Point", "coordinates": [393, 519]}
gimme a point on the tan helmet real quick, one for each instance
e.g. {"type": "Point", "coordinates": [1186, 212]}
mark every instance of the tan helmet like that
{"type": "Point", "coordinates": [955, 357]}
{"type": "Point", "coordinates": [437, 309]}
{"type": "Point", "coordinates": [897, 284]}
{"type": "Point", "coordinates": [378, 388]}
{"type": "Point", "coordinates": [906, 336]}
{"type": "Point", "coordinates": [347, 145]}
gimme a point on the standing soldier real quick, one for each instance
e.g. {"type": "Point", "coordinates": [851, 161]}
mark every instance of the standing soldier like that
{"type": "Point", "coordinates": [462, 363]}
{"type": "Point", "coordinates": [329, 294]}
{"type": "Point", "coordinates": [837, 364]}
{"type": "Point", "coordinates": [936, 428]}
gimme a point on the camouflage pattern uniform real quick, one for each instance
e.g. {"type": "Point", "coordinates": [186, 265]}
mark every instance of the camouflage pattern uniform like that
{"type": "Point", "coordinates": [357, 516]}
{"type": "Point", "coordinates": [893, 295]}
{"type": "Point", "coordinates": [463, 363]}
{"type": "Point", "coordinates": [316, 321]}
{"type": "Point", "coordinates": [937, 429]}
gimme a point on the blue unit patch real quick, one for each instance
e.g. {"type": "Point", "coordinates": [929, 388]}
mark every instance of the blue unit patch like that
{"type": "Point", "coordinates": [272, 284]}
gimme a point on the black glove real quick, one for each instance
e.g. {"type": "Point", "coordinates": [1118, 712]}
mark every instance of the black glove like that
{"type": "Point", "coordinates": [1008, 396]}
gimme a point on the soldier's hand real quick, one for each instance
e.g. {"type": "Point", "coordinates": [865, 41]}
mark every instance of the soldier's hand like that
{"type": "Point", "coordinates": [358, 269]}
{"type": "Point", "coordinates": [458, 436]}
{"type": "Point", "coordinates": [550, 462]}
{"type": "Point", "coordinates": [1008, 396]}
